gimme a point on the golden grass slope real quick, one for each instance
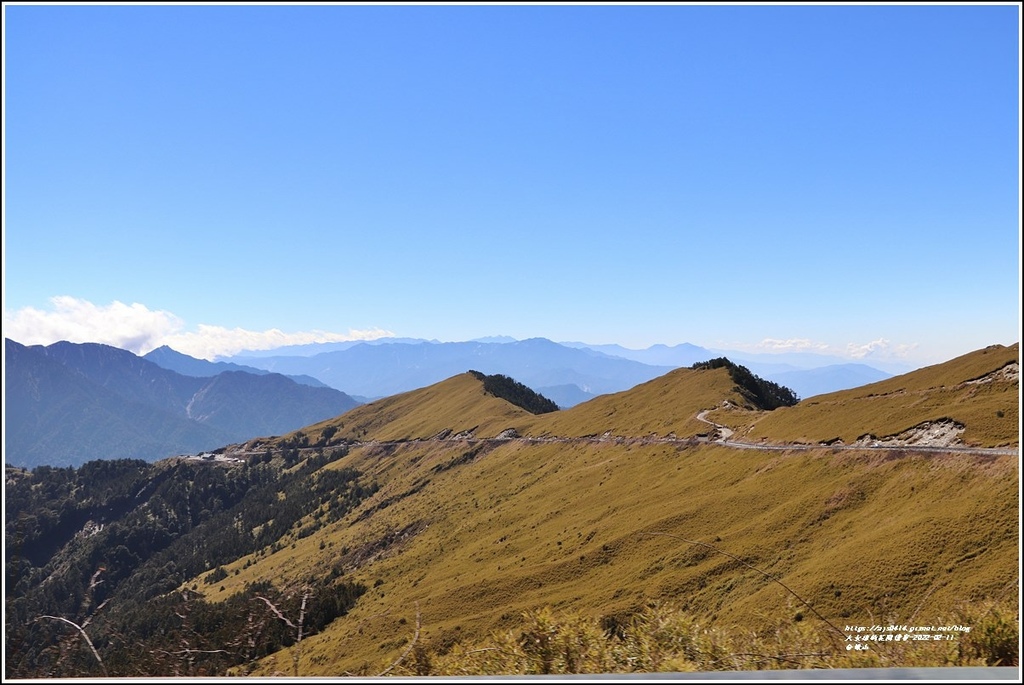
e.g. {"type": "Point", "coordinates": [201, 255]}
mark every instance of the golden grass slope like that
{"type": "Point", "coordinates": [457, 405]}
{"type": "Point", "coordinates": [470, 534]}
{"type": "Point", "coordinates": [979, 390]}
{"type": "Point", "coordinates": [605, 529]}
{"type": "Point", "coordinates": [667, 405]}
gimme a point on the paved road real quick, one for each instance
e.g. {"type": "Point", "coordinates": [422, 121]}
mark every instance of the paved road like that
{"type": "Point", "coordinates": [727, 433]}
{"type": "Point", "coordinates": [724, 439]}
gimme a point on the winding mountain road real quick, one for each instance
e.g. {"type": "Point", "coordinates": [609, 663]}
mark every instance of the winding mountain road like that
{"type": "Point", "coordinates": [727, 433]}
{"type": "Point", "coordinates": [722, 436]}
{"type": "Point", "coordinates": [723, 431]}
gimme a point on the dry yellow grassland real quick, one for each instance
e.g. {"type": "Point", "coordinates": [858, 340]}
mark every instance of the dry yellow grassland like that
{"type": "Point", "coordinates": [471, 535]}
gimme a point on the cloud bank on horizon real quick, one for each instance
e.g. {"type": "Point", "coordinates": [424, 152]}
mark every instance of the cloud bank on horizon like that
{"type": "Point", "coordinates": [138, 329]}
{"type": "Point", "coordinates": [878, 348]}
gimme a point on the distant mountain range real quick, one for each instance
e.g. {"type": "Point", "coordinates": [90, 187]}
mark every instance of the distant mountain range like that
{"type": "Point", "coordinates": [69, 403]}
{"type": "Point", "coordinates": [382, 369]}
{"type": "Point", "coordinates": [811, 382]}
{"type": "Point", "coordinates": [173, 360]}
{"type": "Point", "coordinates": [659, 355]}
{"type": "Point", "coordinates": [568, 372]}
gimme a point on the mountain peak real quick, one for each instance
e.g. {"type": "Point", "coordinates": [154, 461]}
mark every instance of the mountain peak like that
{"type": "Point", "coordinates": [763, 394]}
{"type": "Point", "coordinates": [515, 392]}
{"type": "Point", "coordinates": [457, 405]}
{"type": "Point", "coordinates": [495, 339]}
{"type": "Point", "coordinates": [76, 402]}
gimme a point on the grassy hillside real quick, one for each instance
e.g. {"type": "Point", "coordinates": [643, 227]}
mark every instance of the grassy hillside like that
{"type": "Point", "coordinates": [457, 405]}
{"type": "Point", "coordinates": [456, 536]}
{"type": "Point", "coordinates": [665, 406]}
{"type": "Point", "coordinates": [474, 534]}
{"type": "Point", "coordinates": [473, 543]}
{"type": "Point", "coordinates": [979, 391]}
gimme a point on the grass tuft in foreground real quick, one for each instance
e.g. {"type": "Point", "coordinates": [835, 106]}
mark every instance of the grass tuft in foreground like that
{"type": "Point", "coordinates": [662, 638]}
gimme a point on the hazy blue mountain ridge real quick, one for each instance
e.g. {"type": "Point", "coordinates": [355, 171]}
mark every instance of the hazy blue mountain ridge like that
{"type": "Point", "coordinates": [311, 349]}
{"type": "Point", "coordinates": [126, 374]}
{"type": "Point", "coordinates": [807, 360]}
{"type": "Point", "coordinates": [172, 360]}
{"type": "Point", "coordinates": [273, 404]}
{"type": "Point", "coordinates": [55, 415]}
{"type": "Point", "coordinates": [811, 382]}
{"type": "Point", "coordinates": [683, 354]}
{"type": "Point", "coordinates": [568, 372]}
{"type": "Point", "coordinates": [566, 396]}
{"type": "Point", "coordinates": [386, 369]}
{"type": "Point", "coordinates": [69, 403]}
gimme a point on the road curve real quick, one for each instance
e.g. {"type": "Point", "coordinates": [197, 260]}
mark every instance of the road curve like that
{"type": "Point", "coordinates": [727, 433]}
{"type": "Point", "coordinates": [724, 439]}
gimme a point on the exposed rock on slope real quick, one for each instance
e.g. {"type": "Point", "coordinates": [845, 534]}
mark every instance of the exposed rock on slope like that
{"type": "Point", "coordinates": [943, 433]}
{"type": "Point", "coordinates": [979, 391]}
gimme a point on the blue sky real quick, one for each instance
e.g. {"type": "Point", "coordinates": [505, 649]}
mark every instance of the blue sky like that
{"type": "Point", "coordinates": [836, 178]}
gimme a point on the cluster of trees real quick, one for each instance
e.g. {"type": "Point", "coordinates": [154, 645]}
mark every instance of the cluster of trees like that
{"type": "Point", "coordinates": [515, 392]}
{"type": "Point", "coordinates": [764, 394]}
{"type": "Point", "coordinates": [178, 633]}
{"type": "Point", "coordinates": [125, 534]}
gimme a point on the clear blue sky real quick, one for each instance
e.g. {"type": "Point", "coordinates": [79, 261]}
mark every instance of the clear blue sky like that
{"type": "Point", "coordinates": [835, 177]}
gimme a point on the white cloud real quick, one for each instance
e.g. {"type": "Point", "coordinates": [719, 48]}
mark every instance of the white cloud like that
{"type": "Point", "coordinates": [860, 351]}
{"type": "Point", "coordinates": [139, 329]}
{"type": "Point", "coordinates": [215, 341]}
{"type": "Point", "coordinates": [792, 345]}
{"type": "Point", "coordinates": [131, 327]}
{"type": "Point", "coordinates": [879, 348]}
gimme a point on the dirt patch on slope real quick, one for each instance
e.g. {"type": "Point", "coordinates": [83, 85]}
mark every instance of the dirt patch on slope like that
{"type": "Point", "coordinates": [1009, 373]}
{"type": "Point", "coordinates": [942, 433]}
